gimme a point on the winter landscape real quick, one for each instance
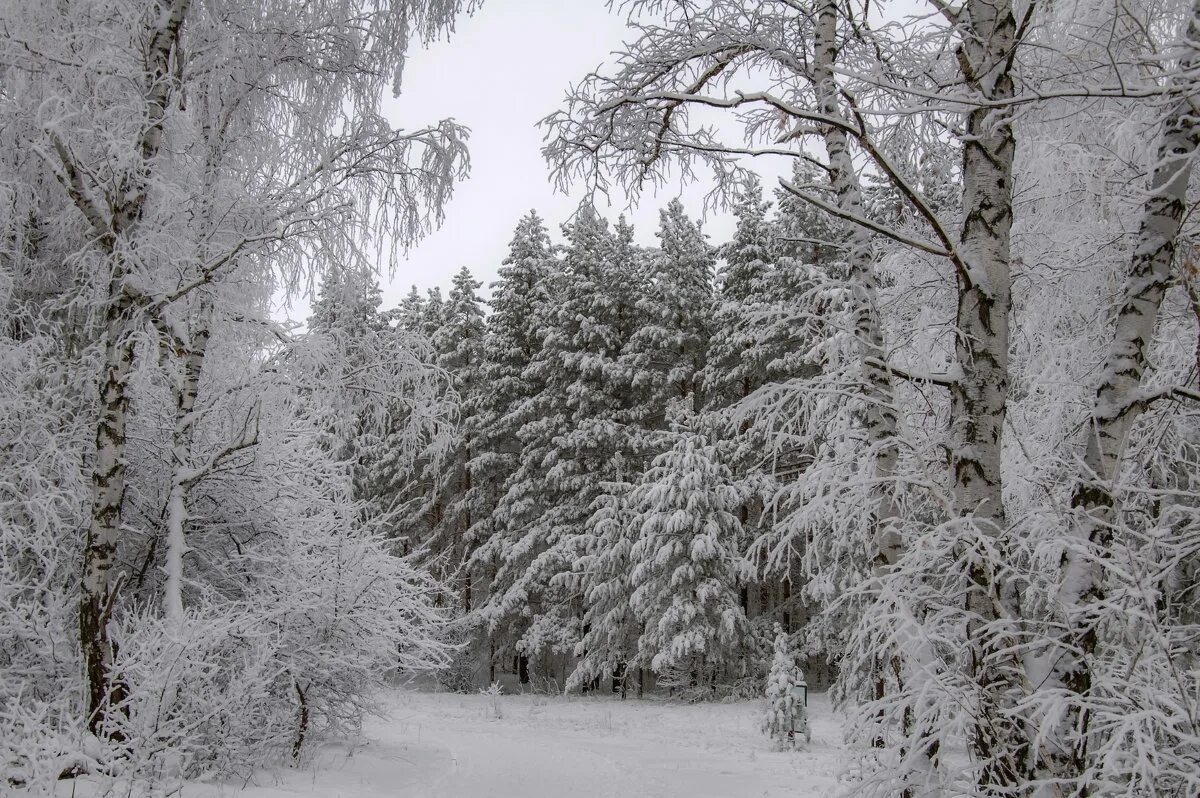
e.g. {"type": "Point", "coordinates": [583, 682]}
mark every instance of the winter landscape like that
{"type": "Point", "coordinates": [792, 398]}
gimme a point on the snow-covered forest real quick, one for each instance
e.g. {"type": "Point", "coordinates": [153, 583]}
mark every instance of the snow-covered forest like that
{"type": "Point", "coordinates": [923, 430]}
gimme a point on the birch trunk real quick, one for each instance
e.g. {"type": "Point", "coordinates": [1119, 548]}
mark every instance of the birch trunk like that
{"type": "Point", "coordinates": [186, 391]}
{"type": "Point", "coordinates": [978, 399]}
{"type": "Point", "coordinates": [1118, 403]}
{"type": "Point", "coordinates": [919, 755]}
{"type": "Point", "coordinates": [98, 588]}
{"type": "Point", "coordinates": [880, 413]}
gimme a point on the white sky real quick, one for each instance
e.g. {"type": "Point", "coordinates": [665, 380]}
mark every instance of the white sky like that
{"type": "Point", "coordinates": [506, 67]}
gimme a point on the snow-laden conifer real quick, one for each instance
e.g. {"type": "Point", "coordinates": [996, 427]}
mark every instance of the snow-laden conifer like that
{"type": "Point", "coordinates": [459, 347]}
{"type": "Point", "coordinates": [666, 355]}
{"type": "Point", "coordinates": [782, 705]}
{"type": "Point", "coordinates": [611, 629]}
{"type": "Point", "coordinates": [686, 567]}
{"type": "Point", "coordinates": [520, 301]}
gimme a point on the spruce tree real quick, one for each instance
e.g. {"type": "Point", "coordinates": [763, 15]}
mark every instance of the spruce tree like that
{"type": "Point", "coordinates": [520, 301]}
{"type": "Point", "coordinates": [346, 317]}
{"type": "Point", "coordinates": [686, 569]}
{"type": "Point", "coordinates": [736, 364]}
{"type": "Point", "coordinates": [667, 354]}
{"type": "Point", "coordinates": [410, 314]}
{"type": "Point", "coordinates": [433, 314]}
{"type": "Point", "coordinates": [611, 628]}
{"type": "Point", "coordinates": [782, 707]}
{"type": "Point", "coordinates": [547, 498]}
{"type": "Point", "coordinates": [459, 347]}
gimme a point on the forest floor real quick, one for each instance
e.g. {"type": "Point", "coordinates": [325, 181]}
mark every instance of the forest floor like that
{"type": "Point", "coordinates": [439, 745]}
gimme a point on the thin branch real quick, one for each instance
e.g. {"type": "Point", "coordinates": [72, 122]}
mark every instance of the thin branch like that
{"type": "Point", "coordinates": [945, 380]}
{"type": "Point", "coordinates": [882, 229]}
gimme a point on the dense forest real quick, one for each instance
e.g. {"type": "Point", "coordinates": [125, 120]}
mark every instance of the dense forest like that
{"type": "Point", "coordinates": [597, 497]}
{"type": "Point", "coordinates": [927, 422]}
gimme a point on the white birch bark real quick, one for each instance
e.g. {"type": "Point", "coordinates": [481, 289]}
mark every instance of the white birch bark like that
{"type": "Point", "coordinates": [184, 475]}
{"type": "Point", "coordinates": [880, 413]}
{"type": "Point", "coordinates": [978, 399]}
{"type": "Point", "coordinates": [98, 586]}
{"type": "Point", "coordinates": [1118, 402]}
{"type": "Point", "coordinates": [919, 755]}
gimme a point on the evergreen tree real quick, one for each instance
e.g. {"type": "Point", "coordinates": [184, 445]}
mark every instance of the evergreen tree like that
{"type": "Point", "coordinates": [686, 570]}
{"type": "Point", "coordinates": [736, 357]}
{"type": "Point", "coordinates": [667, 354]}
{"type": "Point", "coordinates": [611, 628]}
{"type": "Point", "coordinates": [520, 300]}
{"type": "Point", "coordinates": [801, 230]}
{"type": "Point", "coordinates": [347, 306]}
{"type": "Point", "coordinates": [459, 347]}
{"type": "Point", "coordinates": [410, 314]}
{"type": "Point", "coordinates": [782, 706]}
{"type": "Point", "coordinates": [562, 443]}
{"type": "Point", "coordinates": [433, 315]}
{"type": "Point", "coordinates": [346, 318]}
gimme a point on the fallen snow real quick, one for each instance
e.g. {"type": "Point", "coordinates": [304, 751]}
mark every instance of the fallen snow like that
{"type": "Point", "coordinates": [437, 745]}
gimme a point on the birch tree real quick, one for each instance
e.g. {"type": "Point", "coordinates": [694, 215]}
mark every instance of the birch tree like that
{"type": "Point", "coordinates": [197, 82]}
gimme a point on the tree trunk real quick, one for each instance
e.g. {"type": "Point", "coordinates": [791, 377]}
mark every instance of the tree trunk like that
{"type": "Point", "coordinates": [186, 390]}
{"type": "Point", "coordinates": [978, 399]}
{"type": "Point", "coordinates": [1118, 403]}
{"type": "Point", "coordinates": [301, 721]}
{"type": "Point", "coordinates": [879, 415]}
{"type": "Point", "coordinates": [98, 589]}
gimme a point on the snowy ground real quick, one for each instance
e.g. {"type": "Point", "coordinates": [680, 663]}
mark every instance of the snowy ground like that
{"type": "Point", "coordinates": [455, 746]}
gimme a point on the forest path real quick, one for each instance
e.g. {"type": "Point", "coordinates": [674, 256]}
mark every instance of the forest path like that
{"type": "Point", "coordinates": [535, 746]}
{"type": "Point", "coordinates": [438, 745]}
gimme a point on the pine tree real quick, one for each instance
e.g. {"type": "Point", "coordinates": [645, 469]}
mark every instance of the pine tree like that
{"type": "Point", "coordinates": [520, 300]}
{"type": "Point", "coordinates": [459, 346]}
{"type": "Point", "coordinates": [433, 315]}
{"type": "Point", "coordinates": [564, 441]}
{"type": "Point", "coordinates": [346, 316]}
{"type": "Point", "coordinates": [736, 357]}
{"type": "Point", "coordinates": [803, 231]}
{"type": "Point", "coordinates": [611, 628]}
{"type": "Point", "coordinates": [667, 354]}
{"type": "Point", "coordinates": [686, 568]}
{"type": "Point", "coordinates": [410, 314]}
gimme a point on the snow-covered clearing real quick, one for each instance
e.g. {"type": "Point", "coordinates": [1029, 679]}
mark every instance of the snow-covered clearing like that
{"type": "Point", "coordinates": [455, 746]}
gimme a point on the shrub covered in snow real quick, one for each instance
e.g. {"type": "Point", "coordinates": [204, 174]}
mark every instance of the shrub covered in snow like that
{"type": "Point", "coordinates": [781, 702]}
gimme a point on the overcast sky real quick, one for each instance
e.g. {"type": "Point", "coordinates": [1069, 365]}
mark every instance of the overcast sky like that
{"type": "Point", "coordinates": [506, 67]}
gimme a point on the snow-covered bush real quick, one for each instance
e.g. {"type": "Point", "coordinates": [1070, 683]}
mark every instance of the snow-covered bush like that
{"type": "Point", "coordinates": [493, 692]}
{"type": "Point", "coordinates": [41, 507]}
{"type": "Point", "coordinates": [780, 717]}
{"type": "Point", "coordinates": [462, 667]}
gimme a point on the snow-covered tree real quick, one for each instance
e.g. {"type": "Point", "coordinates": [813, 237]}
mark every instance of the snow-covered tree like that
{"type": "Point", "coordinates": [734, 363]}
{"type": "Point", "coordinates": [459, 344]}
{"type": "Point", "coordinates": [686, 569]}
{"type": "Point", "coordinates": [781, 715]}
{"type": "Point", "coordinates": [610, 628]}
{"type": "Point", "coordinates": [520, 300]}
{"type": "Point", "coordinates": [915, 518]}
{"type": "Point", "coordinates": [567, 438]}
{"type": "Point", "coordinates": [666, 355]}
{"type": "Point", "coordinates": [139, 138]}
